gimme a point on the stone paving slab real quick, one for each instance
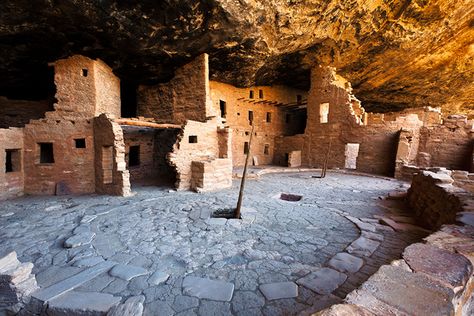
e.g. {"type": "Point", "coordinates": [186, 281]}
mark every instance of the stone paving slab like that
{"type": "Point", "coordinates": [8, 260]}
{"type": "Point", "coordinates": [88, 261]}
{"type": "Point", "coordinates": [323, 281]}
{"type": "Point", "coordinates": [208, 289]}
{"type": "Point", "coordinates": [133, 306]}
{"type": "Point", "coordinates": [454, 269]}
{"type": "Point", "coordinates": [158, 277]}
{"type": "Point", "coordinates": [53, 291]}
{"type": "Point", "coordinates": [82, 304]}
{"type": "Point", "coordinates": [406, 292]}
{"type": "Point", "coordinates": [80, 239]}
{"type": "Point", "coordinates": [346, 310]}
{"type": "Point", "coordinates": [127, 272]}
{"type": "Point", "coordinates": [344, 262]}
{"type": "Point", "coordinates": [279, 290]}
{"type": "Point", "coordinates": [401, 226]}
{"type": "Point", "coordinates": [363, 246]}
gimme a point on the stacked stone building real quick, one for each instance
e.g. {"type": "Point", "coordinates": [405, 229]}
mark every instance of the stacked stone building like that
{"type": "Point", "coordinates": [190, 132]}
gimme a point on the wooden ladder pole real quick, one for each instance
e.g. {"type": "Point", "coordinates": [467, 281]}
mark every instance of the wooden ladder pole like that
{"type": "Point", "coordinates": [244, 175]}
{"type": "Point", "coordinates": [325, 167]}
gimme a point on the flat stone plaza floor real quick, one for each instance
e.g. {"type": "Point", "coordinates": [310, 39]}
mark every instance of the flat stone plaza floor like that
{"type": "Point", "coordinates": [281, 258]}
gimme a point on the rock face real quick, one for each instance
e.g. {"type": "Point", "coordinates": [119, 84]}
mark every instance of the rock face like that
{"type": "Point", "coordinates": [396, 53]}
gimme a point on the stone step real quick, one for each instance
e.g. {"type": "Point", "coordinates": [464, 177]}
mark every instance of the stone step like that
{"type": "Point", "coordinates": [66, 285]}
{"type": "Point", "coordinates": [75, 303]}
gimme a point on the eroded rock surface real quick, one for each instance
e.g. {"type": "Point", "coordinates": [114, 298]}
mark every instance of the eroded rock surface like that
{"type": "Point", "coordinates": [397, 53]}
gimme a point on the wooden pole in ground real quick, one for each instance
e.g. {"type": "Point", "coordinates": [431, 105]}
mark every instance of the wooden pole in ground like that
{"type": "Point", "coordinates": [325, 167]}
{"type": "Point", "coordinates": [244, 175]}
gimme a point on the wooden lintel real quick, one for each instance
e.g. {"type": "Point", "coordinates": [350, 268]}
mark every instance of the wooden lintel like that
{"type": "Point", "coordinates": [146, 124]}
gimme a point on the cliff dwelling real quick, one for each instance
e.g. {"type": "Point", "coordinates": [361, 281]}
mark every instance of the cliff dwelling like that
{"type": "Point", "coordinates": [236, 158]}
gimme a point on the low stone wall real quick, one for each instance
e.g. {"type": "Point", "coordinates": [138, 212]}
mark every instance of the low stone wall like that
{"type": "Point", "coordinates": [434, 198]}
{"type": "Point", "coordinates": [431, 278]}
{"type": "Point", "coordinates": [211, 175]}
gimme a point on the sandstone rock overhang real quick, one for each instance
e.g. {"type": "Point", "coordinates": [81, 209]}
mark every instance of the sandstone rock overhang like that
{"type": "Point", "coordinates": [397, 54]}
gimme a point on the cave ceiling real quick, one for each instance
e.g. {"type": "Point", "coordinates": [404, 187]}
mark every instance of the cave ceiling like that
{"type": "Point", "coordinates": [397, 54]}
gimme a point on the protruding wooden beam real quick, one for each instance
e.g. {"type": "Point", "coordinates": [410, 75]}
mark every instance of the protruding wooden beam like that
{"type": "Point", "coordinates": [146, 124]}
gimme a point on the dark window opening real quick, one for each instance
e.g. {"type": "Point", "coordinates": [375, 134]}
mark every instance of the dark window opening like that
{"type": "Point", "coordinates": [260, 94]}
{"type": "Point", "coordinates": [299, 99]}
{"type": "Point", "coordinates": [266, 149]}
{"type": "Point", "coordinates": [298, 122]}
{"type": "Point", "coordinates": [134, 156]}
{"type": "Point", "coordinates": [238, 114]}
{"type": "Point", "coordinates": [12, 160]}
{"type": "Point", "coordinates": [247, 133]}
{"type": "Point", "coordinates": [222, 106]}
{"type": "Point", "coordinates": [250, 117]}
{"type": "Point", "coordinates": [128, 98]}
{"type": "Point", "coordinates": [46, 152]}
{"type": "Point", "coordinates": [246, 148]}
{"type": "Point", "coordinates": [85, 72]}
{"type": "Point", "coordinates": [251, 94]}
{"type": "Point", "coordinates": [80, 142]}
{"type": "Point", "coordinates": [193, 139]}
{"type": "Point", "coordinates": [269, 117]}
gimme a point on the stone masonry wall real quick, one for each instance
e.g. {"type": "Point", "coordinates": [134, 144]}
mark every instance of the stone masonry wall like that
{"type": "Point", "coordinates": [112, 176]}
{"type": "Point", "coordinates": [86, 87]}
{"type": "Point", "coordinates": [434, 198]}
{"type": "Point", "coordinates": [72, 169]}
{"type": "Point", "coordinates": [197, 142]}
{"type": "Point", "coordinates": [11, 183]}
{"type": "Point", "coordinates": [185, 97]}
{"type": "Point", "coordinates": [448, 145]}
{"type": "Point", "coordinates": [238, 104]}
{"type": "Point", "coordinates": [75, 85]}
{"type": "Point", "coordinates": [378, 141]}
{"type": "Point", "coordinates": [286, 144]}
{"type": "Point", "coordinates": [211, 175]}
{"type": "Point", "coordinates": [17, 113]}
{"type": "Point", "coordinates": [143, 137]}
{"type": "Point", "coordinates": [107, 87]}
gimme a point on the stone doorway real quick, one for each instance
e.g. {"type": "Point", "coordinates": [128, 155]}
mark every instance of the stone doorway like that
{"type": "Point", "coordinates": [351, 153]}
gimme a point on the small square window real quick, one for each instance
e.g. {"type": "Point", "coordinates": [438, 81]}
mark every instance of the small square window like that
{"type": "Point", "coordinates": [222, 106]}
{"type": "Point", "coordinates": [12, 160]}
{"type": "Point", "coordinates": [323, 112]}
{"type": "Point", "coordinates": [134, 156]}
{"type": "Point", "coordinates": [269, 117]}
{"type": "Point", "coordinates": [299, 99]}
{"type": "Point", "coordinates": [193, 139]}
{"type": "Point", "coordinates": [260, 94]}
{"type": "Point", "coordinates": [251, 94]}
{"type": "Point", "coordinates": [85, 72]}
{"type": "Point", "coordinates": [46, 152]}
{"type": "Point", "coordinates": [80, 142]}
{"type": "Point", "coordinates": [266, 149]}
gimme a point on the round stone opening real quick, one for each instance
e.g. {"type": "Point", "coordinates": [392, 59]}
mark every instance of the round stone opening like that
{"type": "Point", "coordinates": [290, 197]}
{"type": "Point", "coordinates": [224, 213]}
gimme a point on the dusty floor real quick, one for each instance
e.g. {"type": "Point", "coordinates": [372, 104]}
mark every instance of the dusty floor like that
{"type": "Point", "coordinates": [169, 234]}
